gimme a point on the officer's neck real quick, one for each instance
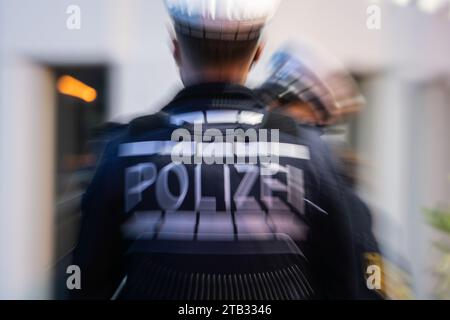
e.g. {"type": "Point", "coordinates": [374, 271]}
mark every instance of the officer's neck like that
{"type": "Point", "coordinates": [215, 75]}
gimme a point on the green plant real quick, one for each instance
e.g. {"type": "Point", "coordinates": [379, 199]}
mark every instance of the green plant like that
{"type": "Point", "coordinates": [440, 220]}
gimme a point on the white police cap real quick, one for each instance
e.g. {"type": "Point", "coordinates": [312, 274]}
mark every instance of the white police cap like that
{"type": "Point", "coordinates": [233, 20]}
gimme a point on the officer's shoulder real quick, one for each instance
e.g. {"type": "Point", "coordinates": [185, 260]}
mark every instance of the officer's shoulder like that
{"type": "Point", "coordinates": [288, 125]}
{"type": "Point", "coordinates": [310, 131]}
{"type": "Point", "coordinates": [279, 121]}
{"type": "Point", "coordinates": [145, 124]}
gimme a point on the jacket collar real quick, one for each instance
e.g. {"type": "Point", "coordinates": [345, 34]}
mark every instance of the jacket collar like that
{"type": "Point", "coordinates": [214, 96]}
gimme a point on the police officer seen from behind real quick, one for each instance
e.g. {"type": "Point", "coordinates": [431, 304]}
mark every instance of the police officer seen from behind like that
{"type": "Point", "coordinates": [215, 198]}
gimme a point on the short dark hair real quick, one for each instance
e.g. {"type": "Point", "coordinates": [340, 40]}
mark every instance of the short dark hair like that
{"type": "Point", "coordinates": [213, 52]}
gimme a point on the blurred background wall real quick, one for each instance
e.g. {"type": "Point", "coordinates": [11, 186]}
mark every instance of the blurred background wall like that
{"type": "Point", "coordinates": [123, 50]}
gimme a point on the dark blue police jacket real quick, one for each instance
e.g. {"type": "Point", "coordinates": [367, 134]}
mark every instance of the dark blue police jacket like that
{"type": "Point", "coordinates": [232, 218]}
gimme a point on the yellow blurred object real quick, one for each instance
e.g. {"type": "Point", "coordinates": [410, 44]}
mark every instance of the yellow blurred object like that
{"type": "Point", "coordinates": [72, 87]}
{"type": "Point", "coordinates": [395, 281]}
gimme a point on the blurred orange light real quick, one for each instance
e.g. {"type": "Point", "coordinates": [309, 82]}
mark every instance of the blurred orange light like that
{"type": "Point", "coordinates": [72, 87]}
